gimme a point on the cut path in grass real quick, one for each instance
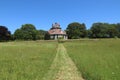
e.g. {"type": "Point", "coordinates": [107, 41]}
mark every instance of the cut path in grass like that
{"type": "Point", "coordinates": [62, 68]}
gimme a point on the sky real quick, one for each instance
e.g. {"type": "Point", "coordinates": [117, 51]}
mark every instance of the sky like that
{"type": "Point", "coordinates": [42, 13]}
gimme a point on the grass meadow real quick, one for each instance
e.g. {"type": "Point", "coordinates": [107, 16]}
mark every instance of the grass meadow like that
{"type": "Point", "coordinates": [96, 59]}
{"type": "Point", "coordinates": [26, 60]}
{"type": "Point", "coordinates": [31, 60]}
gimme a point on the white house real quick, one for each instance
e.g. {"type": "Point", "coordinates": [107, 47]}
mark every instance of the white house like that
{"type": "Point", "coordinates": [55, 32]}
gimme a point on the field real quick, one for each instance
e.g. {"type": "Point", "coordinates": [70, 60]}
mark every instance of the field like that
{"type": "Point", "coordinates": [26, 60]}
{"type": "Point", "coordinates": [50, 60]}
{"type": "Point", "coordinates": [96, 59]}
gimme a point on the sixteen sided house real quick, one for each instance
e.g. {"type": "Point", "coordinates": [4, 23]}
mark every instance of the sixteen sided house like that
{"type": "Point", "coordinates": [56, 32]}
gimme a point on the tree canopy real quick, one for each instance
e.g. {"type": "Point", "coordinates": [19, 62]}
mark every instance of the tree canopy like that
{"type": "Point", "coordinates": [26, 32]}
{"type": "Point", "coordinates": [104, 30]}
{"type": "Point", "coordinates": [76, 30]}
{"type": "Point", "coordinates": [5, 34]}
{"type": "Point", "coordinates": [29, 32]}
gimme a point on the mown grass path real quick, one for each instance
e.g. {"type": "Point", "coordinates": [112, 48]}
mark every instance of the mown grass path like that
{"type": "Point", "coordinates": [62, 68]}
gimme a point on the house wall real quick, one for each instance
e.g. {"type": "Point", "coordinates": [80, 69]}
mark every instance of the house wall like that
{"type": "Point", "coordinates": [55, 37]}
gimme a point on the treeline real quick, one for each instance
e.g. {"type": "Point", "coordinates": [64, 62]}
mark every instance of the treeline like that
{"type": "Point", "coordinates": [98, 30]}
{"type": "Point", "coordinates": [74, 30]}
{"type": "Point", "coordinates": [26, 32]}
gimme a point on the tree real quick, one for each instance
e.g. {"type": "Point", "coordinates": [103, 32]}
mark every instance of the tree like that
{"type": "Point", "coordinates": [47, 36]}
{"type": "Point", "coordinates": [18, 34]}
{"type": "Point", "coordinates": [28, 27]}
{"type": "Point", "coordinates": [76, 30]}
{"type": "Point", "coordinates": [104, 30]}
{"type": "Point", "coordinates": [112, 31]}
{"type": "Point", "coordinates": [99, 30]}
{"type": "Point", "coordinates": [89, 33]}
{"type": "Point", "coordinates": [41, 34]}
{"type": "Point", "coordinates": [5, 34]}
{"type": "Point", "coordinates": [118, 29]}
{"type": "Point", "coordinates": [26, 32]}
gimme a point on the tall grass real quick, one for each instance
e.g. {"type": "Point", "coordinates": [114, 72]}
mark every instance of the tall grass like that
{"type": "Point", "coordinates": [26, 60]}
{"type": "Point", "coordinates": [96, 59]}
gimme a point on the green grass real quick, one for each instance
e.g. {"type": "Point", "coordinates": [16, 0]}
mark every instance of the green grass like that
{"type": "Point", "coordinates": [96, 59]}
{"type": "Point", "coordinates": [26, 60]}
{"type": "Point", "coordinates": [31, 60]}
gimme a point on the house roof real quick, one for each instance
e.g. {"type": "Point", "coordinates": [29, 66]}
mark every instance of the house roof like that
{"type": "Point", "coordinates": [56, 31]}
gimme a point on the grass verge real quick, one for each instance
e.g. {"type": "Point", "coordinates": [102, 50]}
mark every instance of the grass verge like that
{"type": "Point", "coordinates": [26, 60]}
{"type": "Point", "coordinates": [96, 59]}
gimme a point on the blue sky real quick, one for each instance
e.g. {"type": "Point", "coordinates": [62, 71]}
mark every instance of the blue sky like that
{"type": "Point", "coordinates": [42, 13]}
